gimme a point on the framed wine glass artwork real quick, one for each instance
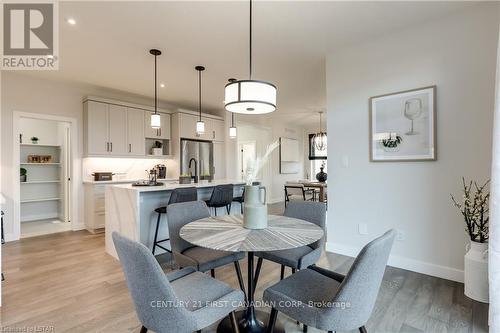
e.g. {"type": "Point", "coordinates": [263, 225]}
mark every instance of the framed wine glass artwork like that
{"type": "Point", "coordinates": [403, 126]}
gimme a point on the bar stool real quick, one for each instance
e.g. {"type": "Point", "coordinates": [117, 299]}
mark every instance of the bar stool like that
{"type": "Point", "coordinates": [222, 196]}
{"type": "Point", "coordinates": [178, 195]}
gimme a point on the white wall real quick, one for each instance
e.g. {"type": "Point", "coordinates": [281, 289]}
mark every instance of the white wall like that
{"type": "Point", "coordinates": [45, 130]}
{"type": "Point", "coordinates": [265, 133]}
{"type": "Point", "coordinates": [456, 53]}
{"type": "Point", "coordinates": [25, 93]}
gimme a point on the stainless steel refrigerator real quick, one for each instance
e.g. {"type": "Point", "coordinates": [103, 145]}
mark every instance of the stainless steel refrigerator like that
{"type": "Point", "coordinates": [197, 159]}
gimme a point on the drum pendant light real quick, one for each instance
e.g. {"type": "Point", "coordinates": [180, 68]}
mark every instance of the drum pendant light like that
{"type": "Point", "coordinates": [200, 125]}
{"type": "Point", "coordinates": [250, 96]}
{"type": "Point", "coordinates": [155, 117]}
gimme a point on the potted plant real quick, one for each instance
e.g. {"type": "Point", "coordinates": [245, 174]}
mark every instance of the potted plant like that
{"type": "Point", "coordinates": [185, 178]}
{"type": "Point", "coordinates": [23, 172]}
{"type": "Point", "coordinates": [474, 209]}
{"type": "Point", "coordinates": [157, 148]}
{"type": "Point", "coordinates": [34, 140]}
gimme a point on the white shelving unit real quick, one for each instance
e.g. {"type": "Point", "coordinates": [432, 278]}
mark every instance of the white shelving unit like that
{"type": "Point", "coordinates": [41, 193]}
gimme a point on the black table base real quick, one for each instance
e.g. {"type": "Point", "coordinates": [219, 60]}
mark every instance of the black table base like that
{"type": "Point", "coordinates": [256, 325]}
{"type": "Point", "coordinates": [249, 320]}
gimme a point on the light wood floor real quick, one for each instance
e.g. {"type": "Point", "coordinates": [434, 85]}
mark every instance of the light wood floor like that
{"type": "Point", "coordinates": [68, 282]}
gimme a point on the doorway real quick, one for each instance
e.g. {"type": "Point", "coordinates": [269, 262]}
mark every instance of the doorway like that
{"type": "Point", "coordinates": [43, 150]}
{"type": "Point", "coordinates": [246, 152]}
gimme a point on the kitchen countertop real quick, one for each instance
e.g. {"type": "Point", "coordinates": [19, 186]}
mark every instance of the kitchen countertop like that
{"type": "Point", "coordinates": [172, 186]}
{"type": "Point", "coordinates": [124, 181]}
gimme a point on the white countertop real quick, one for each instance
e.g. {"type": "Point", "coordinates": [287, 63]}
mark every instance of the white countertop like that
{"type": "Point", "coordinates": [124, 181]}
{"type": "Point", "coordinates": [169, 186]}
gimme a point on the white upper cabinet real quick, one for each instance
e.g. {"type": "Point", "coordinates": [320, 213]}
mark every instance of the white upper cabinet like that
{"type": "Point", "coordinates": [96, 128]}
{"type": "Point", "coordinates": [117, 122]}
{"type": "Point", "coordinates": [160, 133]}
{"type": "Point", "coordinates": [135, 132]}
{"type": "Point", "coordinates": [214, 129]}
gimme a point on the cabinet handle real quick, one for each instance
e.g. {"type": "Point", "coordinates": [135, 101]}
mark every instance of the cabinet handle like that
{"type": "Point", "coordinates": [107, 147]}
{"type": "Point", "coordinates": [160, 131]}
{"type": "Point", "coordinates": [129, 147]}
{"type": "Point", "coordinates": [213, 134]}
{"type": "Point", "coordinates": [111, 145]}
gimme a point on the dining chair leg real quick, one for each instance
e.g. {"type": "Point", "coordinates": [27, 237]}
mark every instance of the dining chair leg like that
{"type": "Point", "coordinates": [272, 320]}
{"type": "Point", "coordinates": [257, 272]}
{"type": "Point", "coordinates": [282, 275]}
{"type": "Point", "coordinates": [143, 329]}
{"type": "Point", "coordinates": [240, 277]}
{"type": "Point", "coordinates": [212, 273]}
{"type": "Point", "coordinates": [241, 207]}
{"type": "Point", "coordinates": [228, 209]}
{"type": "Point", "coordinates": [156, 232]}
{"type": "Point", "coordinates": [234, 322]}
{"type": "Point", "coordinates": [362, 329]}
{"type": "Point", "coordinates": [304, 328]}
{"type": "Point", "coordinates": [293, 270]}
{"type": "Point", "coordinates": [215, 211]}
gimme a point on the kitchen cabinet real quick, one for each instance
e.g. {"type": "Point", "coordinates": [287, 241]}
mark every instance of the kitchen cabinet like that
{"type": "Point", "coordinates": [159, 133]}
{"type": "Point", "coordinates": [117, 129]}
{"type": "Point", "coordinates": [214, 128]}
{"type": "Point", "coordinates": [135, 132]}
{"type": "Point", "coordinates": [94, 208]}
{"type": "Point", "coordinates": [96, 128]}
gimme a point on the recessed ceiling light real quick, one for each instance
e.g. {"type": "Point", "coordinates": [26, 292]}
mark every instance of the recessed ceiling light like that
{"type": "Point", "coordinates": [162, 85]}
{"type": "Point", "coordinates": [71, 21]}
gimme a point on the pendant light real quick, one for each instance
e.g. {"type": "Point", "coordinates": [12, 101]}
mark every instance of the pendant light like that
{"type": "Point", "coordinates": [155, 117]}
{"type": "Point", "coordinates": [200, 125]}
{"type": "Point", "coordinates": [320, 139]}
{"type": "Point", "coordinates": [250, 96]}
{"type": "Point", "coordinates": [232, 129]}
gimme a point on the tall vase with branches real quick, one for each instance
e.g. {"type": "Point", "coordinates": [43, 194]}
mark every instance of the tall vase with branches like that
{"type": "Point", "coordinates": [474, 209]}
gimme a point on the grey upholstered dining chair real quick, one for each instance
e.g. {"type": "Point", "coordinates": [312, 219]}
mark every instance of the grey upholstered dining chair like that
{"type": "Point", "coordinates": [187, 254]}
{"type": "Point", "coordinates": [304, 256]}
{"type": "Point", "coordinates": [330, 301]}
{"type": "Point", "coordinates": [178, 302]}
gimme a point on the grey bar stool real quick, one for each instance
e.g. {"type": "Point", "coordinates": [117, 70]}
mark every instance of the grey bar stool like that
{"type": "Point", "coordinates": [178, 195]}
{"type": "Point", "coordinates": [222, 196]}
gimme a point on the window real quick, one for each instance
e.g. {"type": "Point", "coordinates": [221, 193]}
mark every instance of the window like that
{"type": "Point", "coordinates": [313, 153]}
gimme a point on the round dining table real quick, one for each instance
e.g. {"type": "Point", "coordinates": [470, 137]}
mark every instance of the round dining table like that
{"type": "Point", "coordinates": [227, 233]}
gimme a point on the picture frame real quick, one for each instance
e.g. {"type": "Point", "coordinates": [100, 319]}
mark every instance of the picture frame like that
{"type": "Point", "coordinates": [403, 126]}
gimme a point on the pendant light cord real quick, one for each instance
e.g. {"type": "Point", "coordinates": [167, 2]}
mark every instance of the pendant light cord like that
{"type": "Point", "coordinates": [250, 49]}
{"type": "Point", "coordinates": [232, 119]}
{"type": "Point", "coordinates": [199, 92]}
{"type": "Point", "coordinates": [156, 89]}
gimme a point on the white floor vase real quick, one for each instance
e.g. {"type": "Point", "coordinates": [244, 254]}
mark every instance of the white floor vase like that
{"type": "Point", "coordinates": [476, 272]}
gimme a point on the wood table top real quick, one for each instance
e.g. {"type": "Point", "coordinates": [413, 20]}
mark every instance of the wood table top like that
{"type": "Point", "coordinates": [226, 233]}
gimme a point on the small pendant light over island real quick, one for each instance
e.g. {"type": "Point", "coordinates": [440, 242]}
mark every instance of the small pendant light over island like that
{"type": "Point", "coordinates": [155, 117]}
{"type": "Point", "coordinates": [200, 125]}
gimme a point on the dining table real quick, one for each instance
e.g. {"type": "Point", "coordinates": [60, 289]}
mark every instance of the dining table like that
{"type": "Point", "coordinates": [227, 233]}
{"type": "Point", "coordinates": [322, 186]}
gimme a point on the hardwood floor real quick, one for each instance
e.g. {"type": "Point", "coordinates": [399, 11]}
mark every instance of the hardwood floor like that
{"type": "Point", "coordinates": [67, 281]}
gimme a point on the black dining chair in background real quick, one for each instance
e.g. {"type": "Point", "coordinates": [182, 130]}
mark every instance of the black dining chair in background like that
{"type": "Point", "coordinates": [222, 196]}
{"type": "Point", "coordinates": [178, 195]}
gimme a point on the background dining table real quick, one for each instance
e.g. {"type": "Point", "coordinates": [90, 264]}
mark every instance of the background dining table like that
{"type": "Point", "coordinates": [227, 233]}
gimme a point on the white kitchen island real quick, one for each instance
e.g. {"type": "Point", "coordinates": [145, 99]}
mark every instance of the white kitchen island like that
{"type": "Point", "coordinates": [130, 209]}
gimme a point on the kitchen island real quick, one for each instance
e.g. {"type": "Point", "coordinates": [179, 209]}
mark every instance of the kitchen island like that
{"type": "Point", "coordinates": [130, 209]}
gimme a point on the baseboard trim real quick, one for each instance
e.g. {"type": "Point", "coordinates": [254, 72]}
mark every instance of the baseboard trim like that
{"type": "Point", "coordinates": [77, 227]}
{"type": "Point", "coordinates": [413, 265]}
{"type": "Point", "coordinates": [10, 237]}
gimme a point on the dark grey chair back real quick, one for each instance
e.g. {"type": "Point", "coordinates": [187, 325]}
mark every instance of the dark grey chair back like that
{"type": "Point", "coordinates": [185, 194]}
{"type": "Point", "coordinates": [222, 195]}
{"type": "Point", "coordinates": [180, 214]}
{"type": "Point", "coordinates": [148, 285]}
{"type": "Point", "coordinates": [314, 212]}
{"type": "Point", "coordinates": [360, 286]}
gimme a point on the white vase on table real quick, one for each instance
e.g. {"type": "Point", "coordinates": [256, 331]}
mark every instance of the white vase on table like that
{"type": "Point", "coordinates": [255, 209]}
{"type": "Point", "coordinates": [476, 272]}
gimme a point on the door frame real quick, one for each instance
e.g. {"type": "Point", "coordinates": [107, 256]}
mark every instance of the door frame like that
{"type": "Point", "coordinates": [240, 154]}
{"type": "Point", "coordinates": [16, 151]}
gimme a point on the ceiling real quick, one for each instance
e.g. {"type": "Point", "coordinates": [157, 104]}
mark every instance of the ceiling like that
{"type": "Point", "coordinates": [109, 45]}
